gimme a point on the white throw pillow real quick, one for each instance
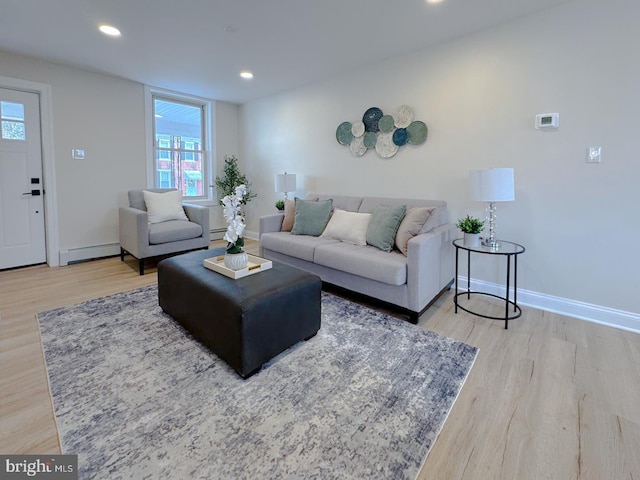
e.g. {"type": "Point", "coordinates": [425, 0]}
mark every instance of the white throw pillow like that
{"type": "Point", "coordinates": [350, 227]}
{"type": "Point", "coordinates": [162, 207]}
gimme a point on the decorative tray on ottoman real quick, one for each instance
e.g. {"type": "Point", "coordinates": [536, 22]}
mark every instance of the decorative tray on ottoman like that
{"type": "Point", "coordinates": [255, 265]}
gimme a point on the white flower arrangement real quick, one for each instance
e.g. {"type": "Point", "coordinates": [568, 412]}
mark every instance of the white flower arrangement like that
{"type": "Point", "coordinates": [232, 212]}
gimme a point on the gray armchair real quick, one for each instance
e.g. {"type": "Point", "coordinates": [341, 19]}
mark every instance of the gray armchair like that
{"type": "Point", "coordinates": [144, 240]}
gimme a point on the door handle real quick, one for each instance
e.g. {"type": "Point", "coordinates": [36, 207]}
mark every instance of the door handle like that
{"type": "Point", "coordinates": [33, 192]}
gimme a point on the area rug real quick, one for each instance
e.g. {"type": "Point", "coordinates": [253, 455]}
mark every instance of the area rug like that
{"type": "Point", "coordinates": [135, 396]}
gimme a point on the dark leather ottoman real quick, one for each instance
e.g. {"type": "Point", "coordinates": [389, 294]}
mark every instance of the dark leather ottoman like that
{"type": "Point", "coordinates": [248, 321]}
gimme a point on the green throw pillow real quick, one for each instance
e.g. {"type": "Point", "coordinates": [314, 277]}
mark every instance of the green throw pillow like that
{"type": "Point", "coordinates": [383, 226]}
{"type": "Point", "coordinates": [311, 218]}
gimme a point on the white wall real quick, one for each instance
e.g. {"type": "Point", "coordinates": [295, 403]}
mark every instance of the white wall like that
{"type": "Point", "coordinates": [227, 144]}
{"type": "Point", "coordinates": [105, 116]}
{"type": "Point", "coordinates": [479, 96]}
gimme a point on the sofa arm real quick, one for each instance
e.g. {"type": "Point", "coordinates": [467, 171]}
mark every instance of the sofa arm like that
{"type": "Point", "coordinates": [134, 230]}
{"type": "Point", "coordinates": [271, 223]}
{"type": "Point", "coordinates": [430, 265]}
{"type": "Point", "coordinates": [198, 214]}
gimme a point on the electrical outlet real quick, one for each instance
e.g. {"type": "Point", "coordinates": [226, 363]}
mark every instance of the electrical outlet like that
{"type": "Point", "coordinates": [594, 155]}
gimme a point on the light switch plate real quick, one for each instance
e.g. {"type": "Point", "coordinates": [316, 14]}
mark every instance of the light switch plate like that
{"type": "Point", "coordinates": [77, 153]}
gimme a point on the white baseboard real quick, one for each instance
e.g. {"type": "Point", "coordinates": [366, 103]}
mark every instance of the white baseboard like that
{"type": "Point", "coordinates": [252, 235]}
{"type": "Point", "coordinates": [563, 306]}
{"type": "Point", "coordinates": [88, 253]}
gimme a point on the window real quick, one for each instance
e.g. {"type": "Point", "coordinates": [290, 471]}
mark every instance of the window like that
{"type": "Point", "coordinates": [164, 179]}
{"type": "Point", "coordinates": [12, 116]}
{"type": "Point", "coordinates": [179, 147]}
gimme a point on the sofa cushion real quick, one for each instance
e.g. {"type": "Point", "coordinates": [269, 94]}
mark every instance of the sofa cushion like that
{"type": "Point", "coordinates": [173, 231]}
{"type": "Point", "coordinates": [440, 216]}
{"type": "Point", "coordinates": [311, 217]}
{"type": "Point", "coordinates": [350, 227]}
{"type": "Point", "coordinates": [299, 246]}
{"type": "Point", "coordinates": [363, 260]}
{"type": "Point", "coordinates": [162, 207]}
{"type": "Point", "coordinates": [289, 214]}
{"type": "Point", "coordinates": [343, 202]}
{"type": "Point", "coordinates": [411, 224]}
{"type": "Point", "coordinates": [384, 225]}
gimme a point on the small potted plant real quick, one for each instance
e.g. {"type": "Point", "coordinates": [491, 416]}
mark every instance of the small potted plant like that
{"type": "Point", "coordinates": [471, 227]}
{"type": "Point", "coordinates": [280, 205]}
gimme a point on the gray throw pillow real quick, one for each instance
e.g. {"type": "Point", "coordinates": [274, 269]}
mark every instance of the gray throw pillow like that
{"type": "Point", "coordinates": [311, 218]}
{"type": "Point", "coordinates": [383, 226]}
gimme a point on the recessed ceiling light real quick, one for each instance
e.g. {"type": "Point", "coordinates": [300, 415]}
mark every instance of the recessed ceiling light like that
{"type": "Point", "coordinates": [434, 1]}
{"type": "Point", "coordinates": [246, 74]}
{"type": "Point", "coordinates": [109, 30]}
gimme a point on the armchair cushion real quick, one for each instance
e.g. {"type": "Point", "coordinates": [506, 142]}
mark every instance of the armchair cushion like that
{"type": "Point", "coordinates": [173, 231]}
{"type": "Point", "coordinates": [165, 206]}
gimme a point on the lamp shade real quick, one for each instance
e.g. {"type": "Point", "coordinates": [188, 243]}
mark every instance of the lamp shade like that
{"type": "Point", "coordinates": [285, 182]}
{"type": "Point", "coordinates": [492, 185]}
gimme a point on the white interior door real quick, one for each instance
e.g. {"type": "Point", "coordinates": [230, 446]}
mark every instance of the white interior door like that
{"type": "Point", "coordinates": [22, 232]}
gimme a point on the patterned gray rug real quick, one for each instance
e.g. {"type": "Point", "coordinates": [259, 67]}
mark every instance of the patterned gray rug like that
{"type": "Point", "coordinates": [136, 397]}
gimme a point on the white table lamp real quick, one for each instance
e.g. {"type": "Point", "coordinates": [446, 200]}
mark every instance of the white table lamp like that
{"type": "Point", "coordinates": [492, 185]}
{"type": "Point", "coordinates": [285, 182]}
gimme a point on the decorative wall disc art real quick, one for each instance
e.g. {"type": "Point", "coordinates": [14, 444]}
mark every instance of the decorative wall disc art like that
{"type": "Point", "coordinates": [370, 139]}
{"type": "Point", "coordinates": [357, 128]}
{"type": "Point", "coordinates": [357, 146]}
{"type": "Point", "coordinates": [385, 133]}
{"type": "Point", "coordinates": [343, 133]}
{"type": "Point", "coordinates": [400, 136]}
{"type": "Point", "coordinates": [403, 116]}
{"type": "Point", "coordinates": [385, 146]}
{"type": "Point", "coordinates": [417, 132]}
{"type": "Point", "coordinates": [386, 123]}
{"type": "Point", "coordinates": [371, 118]}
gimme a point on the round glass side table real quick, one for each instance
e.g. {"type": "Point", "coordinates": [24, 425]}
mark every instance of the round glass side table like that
{"type": "Point", "coordinates": [506, 249]}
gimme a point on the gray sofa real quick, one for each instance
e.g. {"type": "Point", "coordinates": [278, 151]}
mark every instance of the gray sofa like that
{"type": "Point", "coordinates": [411, 282]}
{"type": "Point", "coordinates": [143, 240]}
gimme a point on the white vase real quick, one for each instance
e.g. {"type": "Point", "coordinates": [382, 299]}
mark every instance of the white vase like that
{"type": "Point", "coordinates": [236, 261]}
{"type": "Point", "coordinates": [472, 240]}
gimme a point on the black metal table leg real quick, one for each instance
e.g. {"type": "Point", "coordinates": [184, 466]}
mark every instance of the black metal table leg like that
{"type": "Point", "coordinates": [506, 304]}
{"type": "Point", "coordinates": [455, 296]}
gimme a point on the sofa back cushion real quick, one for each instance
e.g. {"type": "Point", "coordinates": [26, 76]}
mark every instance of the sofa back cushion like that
{"type": "Point", "coordinates": [439, 216]}
{"type": "Point", "coordinates": [343, 202]}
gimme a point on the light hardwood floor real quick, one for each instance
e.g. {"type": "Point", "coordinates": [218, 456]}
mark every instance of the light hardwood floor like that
{"type": "Point", "coordinates": [550, 398]}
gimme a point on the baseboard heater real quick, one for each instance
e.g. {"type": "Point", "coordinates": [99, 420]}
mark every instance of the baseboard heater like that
{"type": "Point", "coordinates": [83, 254]}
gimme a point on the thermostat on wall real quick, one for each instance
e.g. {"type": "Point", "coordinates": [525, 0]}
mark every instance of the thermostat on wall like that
{"type": "Point", "coordinates": [547, 120]}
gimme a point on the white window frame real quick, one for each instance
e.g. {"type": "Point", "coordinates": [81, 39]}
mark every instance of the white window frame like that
{"type": "Point", "coordinates": [209, 129]}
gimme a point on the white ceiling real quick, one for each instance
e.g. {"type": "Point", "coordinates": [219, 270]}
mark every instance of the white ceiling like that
{"type": "Point", "coordinates": [200, 46]}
